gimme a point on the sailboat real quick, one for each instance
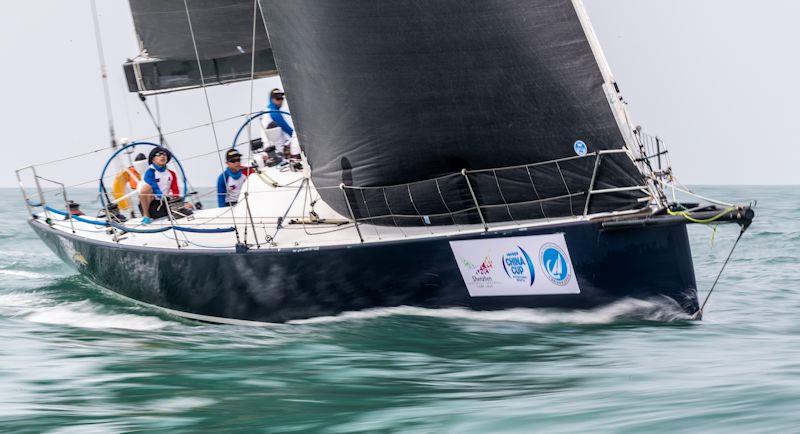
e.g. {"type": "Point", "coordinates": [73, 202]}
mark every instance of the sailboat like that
{"type": "Point", "coordinates": [456, 153]}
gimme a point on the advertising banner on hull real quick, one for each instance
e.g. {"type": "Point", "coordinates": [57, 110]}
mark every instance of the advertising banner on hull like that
{"type": "Point", "coordinates": [534, 265]}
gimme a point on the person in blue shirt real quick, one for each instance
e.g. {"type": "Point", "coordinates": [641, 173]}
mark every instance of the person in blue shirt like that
{"type": "Point", "coordinates": [229, 183]}
{"type": "Point", "coordinates": [276, 130]}
{"type": "Point", "coordinates": [276, 98]}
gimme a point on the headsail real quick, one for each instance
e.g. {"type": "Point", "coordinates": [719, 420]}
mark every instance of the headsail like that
{"type": "Point", "coordinates": [388, 92]}
{"type": "Point", "coordinates": [223, 32]}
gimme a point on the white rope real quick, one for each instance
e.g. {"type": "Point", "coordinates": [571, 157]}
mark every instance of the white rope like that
{"type": "Point", "coordinates": [674, 187]}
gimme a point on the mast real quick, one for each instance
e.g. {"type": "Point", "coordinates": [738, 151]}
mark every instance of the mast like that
{"type": "Point", "coordinates": [103, 73]}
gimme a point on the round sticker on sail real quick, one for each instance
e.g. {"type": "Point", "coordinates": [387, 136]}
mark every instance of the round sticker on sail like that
{"type": "Point", "coordinates": [554, 264]}
{"type": "Point", "coordinates": [580, 148]}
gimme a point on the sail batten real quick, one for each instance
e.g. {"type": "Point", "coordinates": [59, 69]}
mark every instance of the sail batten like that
{"type": "Point", "coordinates": [223, 36]}
{"type": "Point", "coordinates": [386, 92]}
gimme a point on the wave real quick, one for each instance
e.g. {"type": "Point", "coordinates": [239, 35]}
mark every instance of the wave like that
{"type": "Point", "coordinates": [627, 309]}
{"type": "Point", "coordinates": [23, 274]}
{"type": "Point", "coordinates": [19, 300]}
{"type": "Point", "coordinates": [83, 315]}
{"type": "Point", "coordinates": [23, 261]}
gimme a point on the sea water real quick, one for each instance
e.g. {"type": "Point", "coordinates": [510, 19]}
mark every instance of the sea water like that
{"type": "Point", "coordinates": [75, 358]}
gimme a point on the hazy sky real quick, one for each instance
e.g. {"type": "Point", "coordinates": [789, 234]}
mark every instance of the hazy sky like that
{"type": "Point", "coordinates": [716, 79]}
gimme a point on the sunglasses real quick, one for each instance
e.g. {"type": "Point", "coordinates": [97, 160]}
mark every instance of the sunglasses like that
{"type": "Point", "coordinates": [160, 154]}
{"type": "Point", "coordinates": [235, 160]}
{"type": "Point", "coordinates": [278, 98]}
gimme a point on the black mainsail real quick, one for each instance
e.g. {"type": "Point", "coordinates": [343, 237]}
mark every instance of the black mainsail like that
{"type": "Point", "coordinates": [389, 92]}
{"type": "Point", "coordinates": [223, 33]}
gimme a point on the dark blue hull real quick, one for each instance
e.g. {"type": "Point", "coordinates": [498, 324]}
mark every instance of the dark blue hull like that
{"type": "Point", "coordinates": [281, 285]}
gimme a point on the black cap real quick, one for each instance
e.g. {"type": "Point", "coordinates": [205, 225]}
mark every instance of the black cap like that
{"type": "Point", "coordinates": [140, 157]}
{"type": "Point", "coordinates": [232, 154]}
{"type": "Point", "coordinates": [156, 150]}
{"type": "Point", "coordinates": [276, 92]}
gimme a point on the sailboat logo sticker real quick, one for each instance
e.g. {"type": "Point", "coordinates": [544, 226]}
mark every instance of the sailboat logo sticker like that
{"type": "Point", "coordinates": [580, 148]}
{"type": "Point", "coordinates": [554, 264]}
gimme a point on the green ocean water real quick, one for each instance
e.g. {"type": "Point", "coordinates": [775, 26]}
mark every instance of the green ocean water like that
{"type": "Point", "coordinates": [75, 358]}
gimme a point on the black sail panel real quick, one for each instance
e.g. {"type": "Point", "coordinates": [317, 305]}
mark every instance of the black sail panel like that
{"type": "Point", "coordinates": [387, 92]}
{"type": "Point", "coordinates": [223, 33]}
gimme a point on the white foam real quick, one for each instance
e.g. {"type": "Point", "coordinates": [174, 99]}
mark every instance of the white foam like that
{"type": "Point", "coordinates": [179, 404]}
{"type": "Point", "coordinates": [643, 309]}
{"type": "Point", "coordinates": [19, 300]}
{"type": "Point", "coordinates": [82, 315]}
{"type": "Point", "coordinates": [23, 274]}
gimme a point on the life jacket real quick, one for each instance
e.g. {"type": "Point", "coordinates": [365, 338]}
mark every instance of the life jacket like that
{"type": "Point", "coordinates": [133, 178]}
{"type": "Point", "coordinates": [128, 177]}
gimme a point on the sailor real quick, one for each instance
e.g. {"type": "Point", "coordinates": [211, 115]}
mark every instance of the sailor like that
{"type": "Point", "coordinates": [229, 183]}
{"type": "Point", "coordinates": [276, 130]}
{"type": "Point", "coordinates": [129, 177]}
{"type": "Point", "coordinates": [159, 183]}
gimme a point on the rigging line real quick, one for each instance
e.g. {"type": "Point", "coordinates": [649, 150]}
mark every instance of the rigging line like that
{"type": "Point", "coordinates": [183, 130]}
{"type": "Point", "coordinates": [125, 105]}
{"type": "Point", "coordinates": [203, 80]}
{"type": "Point", "coordinates": [687, 191]}
{"type": "Point", "coordinates": [208, 102]}
{"type": "Point", "coordinates": [699, 313]}
{"type": "Point", "coordinates": [263, 19]}
{"type": "Point", "coordinates": [158, 109]}
{"type": "Point", "coordinates": [286, 214]}
{"type": "Point", "coordinates": [103, 73]}
{"type": "Point", "coordinates": [252, 71]}
{"type": "Point", "coordinates": [161, 139]}
{"type": "Point", "coordinates": [250, 115]}
{"type": "Point", "coordinates": [156, 122]}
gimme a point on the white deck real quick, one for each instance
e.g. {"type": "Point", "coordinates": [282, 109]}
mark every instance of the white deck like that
{"type": "Point", "coordinates": [267, 205]}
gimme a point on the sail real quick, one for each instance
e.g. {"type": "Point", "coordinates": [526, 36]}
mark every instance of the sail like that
{"type": "Point", "coordinates": [399, 92]}
{"type": "Point", "coordinates": [223, 32]}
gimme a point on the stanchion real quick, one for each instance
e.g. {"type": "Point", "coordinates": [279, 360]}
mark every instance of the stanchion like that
{"type": "Point", "coordinates": [475, 199]}
{"type": "Point", "coordinates": [352, 216]}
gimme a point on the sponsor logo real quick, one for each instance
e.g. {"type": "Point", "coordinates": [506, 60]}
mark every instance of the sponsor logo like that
{"type": "Point", "coordinates": [519, 266]}
{"type": "Point", "coordinates": [482, 274]}
{"type": "Point", "coordinates": [486, 267]}
{"type": "Point", "coordinates": [513, 266]}
{"type": "Point", "coordinates": [554, 264]}
{"type": "Point", "coordinates": [580, 148]}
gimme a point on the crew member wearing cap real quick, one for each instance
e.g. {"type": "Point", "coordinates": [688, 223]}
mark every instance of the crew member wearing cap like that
{"type": "Point", "coordinates": [276, 130]}
{"type": "Point", "coordinates": [159, 182]}
{"type": "Point", "coordinates": [229, 183]}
